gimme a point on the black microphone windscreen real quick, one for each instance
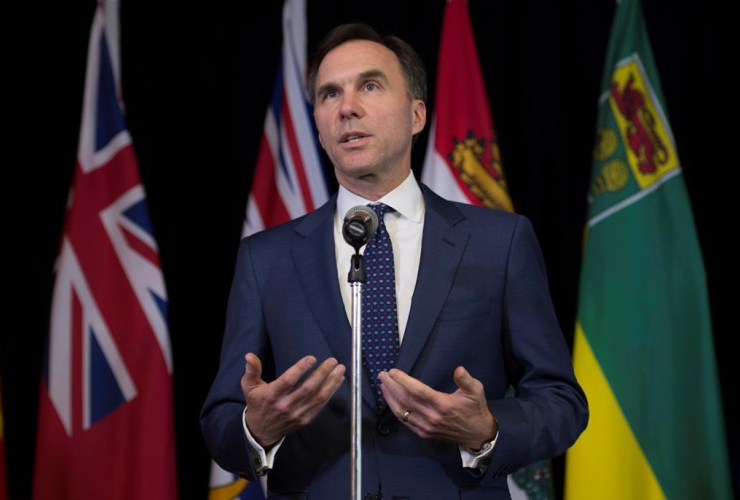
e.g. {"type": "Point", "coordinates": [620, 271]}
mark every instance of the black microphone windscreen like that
{"type": "Point", "coordinates": [360, 224]}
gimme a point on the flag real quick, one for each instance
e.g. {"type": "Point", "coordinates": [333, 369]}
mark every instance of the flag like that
{"type": "Point", "coordinates": [105, 421]}
{"type": "Point", "coordinates": [3, 471]}
{"type": "Point", "coordinates": [288, 180]}
{"type": "Point", "coordinates": [228, 486]}
{"type": "Point", "coordinates": [643, 348]}
{"type": "Point", "coordinates": [463, 163]}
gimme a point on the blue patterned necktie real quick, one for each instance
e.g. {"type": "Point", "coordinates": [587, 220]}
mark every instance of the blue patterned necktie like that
{"type": "Point", "coordinates": [379, 311]}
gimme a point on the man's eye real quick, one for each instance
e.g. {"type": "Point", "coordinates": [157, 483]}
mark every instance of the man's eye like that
{"type": "Point", "coordinates": [330, 94]}
{"type": "Point", "coordinates": [371, 87]}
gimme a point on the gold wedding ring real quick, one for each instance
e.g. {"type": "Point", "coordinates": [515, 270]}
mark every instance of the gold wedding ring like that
{"type": "Point", "coordinates": [405, 417]}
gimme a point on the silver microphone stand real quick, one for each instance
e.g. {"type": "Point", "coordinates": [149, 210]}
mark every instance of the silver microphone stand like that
{"type": "Point", "coordinates": [359, 225]}
{"type": "Point", "coordinates": [357, 280]}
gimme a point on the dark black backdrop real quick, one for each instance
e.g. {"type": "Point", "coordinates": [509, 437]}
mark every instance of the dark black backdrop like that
{"type": "Point", "coordinates": [197, 77]}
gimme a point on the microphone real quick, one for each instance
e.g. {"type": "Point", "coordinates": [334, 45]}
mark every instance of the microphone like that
{"type": "Point", "coordinates": [360, 224]}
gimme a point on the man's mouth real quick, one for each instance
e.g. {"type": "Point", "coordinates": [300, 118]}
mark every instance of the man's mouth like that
{"type": "Point", "coordinates": [352, 137]}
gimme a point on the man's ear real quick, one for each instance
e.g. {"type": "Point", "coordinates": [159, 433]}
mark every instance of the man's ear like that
{"type": "Point", "coordinates": [418, 116]}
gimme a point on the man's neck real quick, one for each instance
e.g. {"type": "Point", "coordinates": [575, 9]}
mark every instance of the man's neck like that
{"type": "Point", "coordinates": [407, 199]}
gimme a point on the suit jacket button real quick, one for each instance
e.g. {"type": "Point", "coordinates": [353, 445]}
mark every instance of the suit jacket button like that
{"type": "Point", "coordinates": [383, 430]}
{"type": "Point", "coordinates": [371, 496]}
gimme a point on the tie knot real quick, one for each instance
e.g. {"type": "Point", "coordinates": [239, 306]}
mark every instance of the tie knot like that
{"type": "Point", "coordinates": [381, 209]}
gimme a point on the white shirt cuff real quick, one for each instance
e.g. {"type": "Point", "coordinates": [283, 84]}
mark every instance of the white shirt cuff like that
{"type": "Point", "coordinates": [263, 461]}
{"type": "Point", "coordinates": [472, 460]}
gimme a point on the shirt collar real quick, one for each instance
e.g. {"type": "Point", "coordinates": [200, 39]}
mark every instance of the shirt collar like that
{"type": "Point", "coordinates": [406, 199]}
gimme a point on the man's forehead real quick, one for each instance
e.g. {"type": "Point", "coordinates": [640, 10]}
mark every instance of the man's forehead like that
{"type": "Point", "coordinates": [355, 58]}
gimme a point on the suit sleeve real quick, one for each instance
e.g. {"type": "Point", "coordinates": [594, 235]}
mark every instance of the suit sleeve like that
{"type": "Point", "coordinates": [222, 414]}
{"type": "Point", "coordinates": [549, 410]}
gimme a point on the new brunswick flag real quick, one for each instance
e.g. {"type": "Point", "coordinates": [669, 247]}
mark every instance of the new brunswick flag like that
{"type": "Point", "coordinates": [463, 164]}
{"type": "Point", "coordinates": [643, 348]}
{"type": "Point", "coordinates": [462, 161]}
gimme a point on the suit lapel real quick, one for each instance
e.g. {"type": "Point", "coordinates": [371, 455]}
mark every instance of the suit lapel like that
{"type": "Point", "coordinates": [315, 261]}
{"type": "Point", "coordinates": [442, 248]}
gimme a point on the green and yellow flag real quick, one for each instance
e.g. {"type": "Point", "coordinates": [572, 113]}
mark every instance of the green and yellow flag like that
{"type": "Point", "coordinates": [643, 348]}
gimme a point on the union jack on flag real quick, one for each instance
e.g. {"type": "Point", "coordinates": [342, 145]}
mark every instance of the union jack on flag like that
{"type": "Point", "coordinates": [106, 427]}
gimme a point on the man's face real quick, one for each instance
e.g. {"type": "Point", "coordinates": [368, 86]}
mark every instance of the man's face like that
{"type": "Point", "coordinates": [364, 114]}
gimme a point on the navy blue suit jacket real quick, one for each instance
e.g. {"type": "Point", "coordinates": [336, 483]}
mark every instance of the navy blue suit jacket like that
{"type": "Point", "coordinates": [481, 301]}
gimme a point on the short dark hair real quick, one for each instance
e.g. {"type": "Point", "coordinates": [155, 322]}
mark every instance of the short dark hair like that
{"type": "Point", "coordinates": [411, 64]}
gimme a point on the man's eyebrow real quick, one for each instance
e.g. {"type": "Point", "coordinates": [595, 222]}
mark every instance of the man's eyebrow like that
{"type": "Point", "coordinates": [374, 74]}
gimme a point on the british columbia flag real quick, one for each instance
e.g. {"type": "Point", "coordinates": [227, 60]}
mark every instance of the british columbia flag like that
{"type": "Point", "coordinates": [288, 180]}
{"type": "Point", "coordinates": [105, 426]}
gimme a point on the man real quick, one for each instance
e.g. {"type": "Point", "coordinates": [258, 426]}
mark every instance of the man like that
{"type": "Point", "coordinates": [471, 312]}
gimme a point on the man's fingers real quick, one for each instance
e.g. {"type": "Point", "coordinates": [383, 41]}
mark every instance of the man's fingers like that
{"type": "Point", "coordinates": [417, 389]}
{"type": "Point", "coordinates": [252, 371]}
{"type": "Point", "coordinates": [305, 402]}
{"type": "Point", "coordinates": [393, 392]}
{"type": "Point", "coordinates": [312, 382]}
{"type": "Point", "coordinates": [414, 416]}
{"type": "Point", "coordinates": [285, 383]}
{"type": "Point", "coordinates": [326, 390]}
{"type": "Point", "coordinates": [465, 381]}
{"type": "Point", "coordinates": [412, 422]}
{"type": "Point", "coordinates": [389, 394]}
{"type": "Point", "coordinates": [399, 405]}
{"type": "Point", "coordinates": [401, 400]}
{"type": "Point", "coordinates": [330, 385]}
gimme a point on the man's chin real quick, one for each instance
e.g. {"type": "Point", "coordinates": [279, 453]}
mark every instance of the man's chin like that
{"type": "Point", "coordinates": [356, 172]}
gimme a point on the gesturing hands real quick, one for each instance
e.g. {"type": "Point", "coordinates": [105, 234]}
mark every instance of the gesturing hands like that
{"type": "Point", "coordinates": [283, 406]}
{"type": "Point", "coordinates": [462, 417]}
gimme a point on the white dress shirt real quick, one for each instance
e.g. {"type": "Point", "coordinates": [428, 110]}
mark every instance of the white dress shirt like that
{"type": "Point", "coordinates": [405, 227]}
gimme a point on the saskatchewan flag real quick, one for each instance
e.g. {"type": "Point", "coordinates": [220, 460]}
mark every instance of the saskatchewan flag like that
{"type": "Point", "coordinates": [643, 348]}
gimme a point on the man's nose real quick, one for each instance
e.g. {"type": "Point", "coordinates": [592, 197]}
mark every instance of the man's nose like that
{"type": "Point", "coordinates": [350, 107]}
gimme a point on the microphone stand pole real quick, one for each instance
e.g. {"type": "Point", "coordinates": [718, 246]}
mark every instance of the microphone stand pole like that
{"type": "Point", "coordinates": [357, 279]}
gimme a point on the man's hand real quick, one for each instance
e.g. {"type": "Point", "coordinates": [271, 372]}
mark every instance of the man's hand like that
{"type": "Point", "coordinates": [462, 417]}
{"type": "Point", "coordinates": [282, 407]}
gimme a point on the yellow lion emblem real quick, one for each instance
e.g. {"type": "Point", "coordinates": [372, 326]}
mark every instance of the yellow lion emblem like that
{"type": "Point", "coordinates": [487, 184]}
